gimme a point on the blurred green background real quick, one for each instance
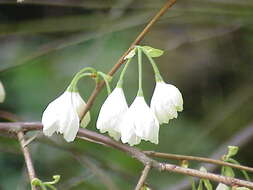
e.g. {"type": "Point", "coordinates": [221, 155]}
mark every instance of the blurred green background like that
{"type": "Point", "coordinates": [208, 55]}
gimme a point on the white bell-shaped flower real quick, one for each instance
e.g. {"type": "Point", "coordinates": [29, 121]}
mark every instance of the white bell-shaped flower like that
{"type": "Point", "coordinates": [111, 113]}
{"type": "Point", "coordinates": [63, 115]}
{"type": "Point", "coordinates": [222, 186]}
{"type": "Point", "coordinates": [139, 123]}
{"type": "Point", "coordinates": [166, 102]}
{"type": "Point", "coordinates": [2, 93]}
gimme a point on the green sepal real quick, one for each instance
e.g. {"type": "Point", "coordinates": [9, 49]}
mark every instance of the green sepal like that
{"type": "Point", "coordinates": [152, 52]}
{"type": "Point", "coordinates": [227, 171]}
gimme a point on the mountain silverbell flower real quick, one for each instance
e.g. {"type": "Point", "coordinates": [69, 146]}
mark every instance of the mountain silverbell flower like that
{"type": "Point", "coordinates": [113, 109]}
{"type": "Point", "coordinates": [111, 113]}
{"type": "Point", "coordinates": [167, 99]}
{"type": "Point", "coordinates": [139, 122]}
{"type": "Point", "coordinates": [2, 93]}
{"type": "Point", "coordinates": [63, 114]}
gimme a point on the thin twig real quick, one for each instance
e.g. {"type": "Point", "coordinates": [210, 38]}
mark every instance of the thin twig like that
{"type": "Point", "coordinates": [196, 158]}
{"type": "Point", "coordinates": [242, 137]}
{"type": "Point", "coordinates": [143, 177]}
{"type": "Point", "coordinates": [133, 152]}
{"type": "Point", "coordinates": [121, 60]}
{"type": "Point", "coordinates": [207, 175]}
{"type": "Point", "coordinates": [20, 134]}
{"type": "Point", "coordinates": [27, 156]}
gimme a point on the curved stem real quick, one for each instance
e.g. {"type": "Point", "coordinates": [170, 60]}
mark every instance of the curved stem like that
{"type": "Point", "coordinates": [73, 84]}
{"type": "Point", "coordinates": [158, 76]}
{"type": "Point", "coordinates": [140, 91]}
{"type": "Point", "coordinates": [122, 74]}
{"type": "Point", "coordinates": [86, 69]}
{"type": "Point", "coordinates": [105, 77]}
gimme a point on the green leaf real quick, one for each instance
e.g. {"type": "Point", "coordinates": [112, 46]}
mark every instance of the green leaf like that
{"type": "Point", "coordinates": [227, 171]}
{"type": "Point", "coordinates": [207, 184]}
{"type": "Point", "coordinates": [232, 151]}
{"type": "Point", "coordinates": [193, 183]}
{"type": "Point", "coordinates": [231, 160]}
{"type": "Point", "coordinates": [152, 52]}
{"type": "Point", "coordinates": [200, 187]}
{"type": "Point", "coordinates": [242, 188]}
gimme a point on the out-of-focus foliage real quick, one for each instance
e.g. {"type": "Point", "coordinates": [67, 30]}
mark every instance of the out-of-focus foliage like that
{"type": "Point", "coordinates": [208, 55]}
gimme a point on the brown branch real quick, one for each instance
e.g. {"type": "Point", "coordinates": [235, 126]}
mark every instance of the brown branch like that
{"type": "Point", "coordinates": [121, 60]}
{"type": "Point", "coordinates": [27, 156]}
{"type": "Point", "coordinates": [133, 152]}
{"type": "Point", "coordinates": [207, 175]}
{"type": "Point", "coordinates": [196, 158]}
{"type": "Point", "coordinates": [143, 177]}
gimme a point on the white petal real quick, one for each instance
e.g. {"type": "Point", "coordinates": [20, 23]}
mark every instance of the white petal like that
{"type": "Point", "coordinates": [139, 123]}
{"type": "Point", "coordinates": [146, 123]}
{"type": "Point", "coordinates": [52, 115]}
{"type": "Point", "coordinates": [65, 111]}
{"type": "Point", "coordinates": [79, 106]}
{"type": "Point", "coordinates": [112, 112]}
{"type": "Point", "coordinates": [75, 111]}
{"type": "Point", "coordinates": [127, 128]}
{"type": "Point", "coordinates": [176, 96]}
{"type": "Point", "coordinates": [72, 127]}
{"type": "Point", "coordinates": [2, 92]}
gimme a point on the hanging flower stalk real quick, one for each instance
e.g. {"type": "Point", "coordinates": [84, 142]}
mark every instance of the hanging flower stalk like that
{"type": "Point", "coordinates": [63, 114]}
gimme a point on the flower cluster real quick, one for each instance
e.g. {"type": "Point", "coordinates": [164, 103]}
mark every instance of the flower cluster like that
{"type": "Point", "coordinates": [131, 124]}
{"type": "Point", "coordinates": [139, 121]}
